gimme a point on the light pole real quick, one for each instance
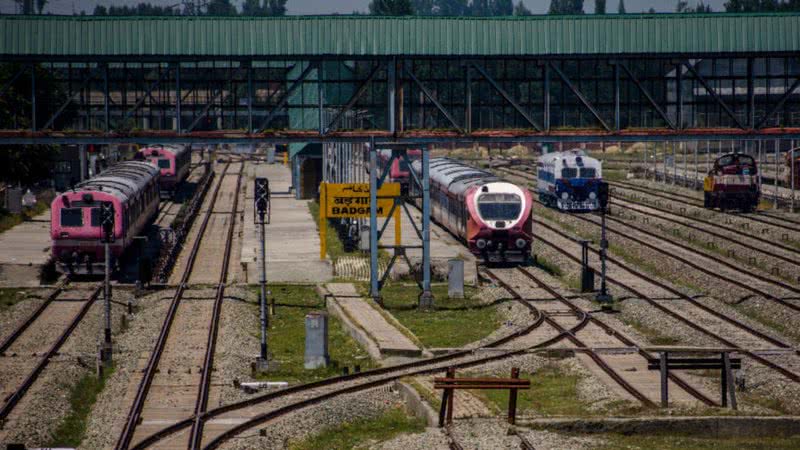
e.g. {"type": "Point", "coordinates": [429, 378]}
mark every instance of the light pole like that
{"type": "Point", "coordinates": [107, 225]}
{"type": "Point", "coordinates": [262, 218]}
{"type": "Point", "coordinates": [603, 297]}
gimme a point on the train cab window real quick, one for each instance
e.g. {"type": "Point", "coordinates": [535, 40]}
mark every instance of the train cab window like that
{"type": "Point", "coordinates": [163, 164]}
{"type": "Point", "coordinates": [72, 217]}
{"type": "Point", "coordinates": [499, 206]}
{"type": "Point", "coordinates": [588, 172]}
{"type": "Point", "coordinates": [569, 172]}
{"type": "Point", "coordinates": [95, 217]}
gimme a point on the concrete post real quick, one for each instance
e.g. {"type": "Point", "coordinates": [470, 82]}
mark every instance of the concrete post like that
{"type": "Point", "coordinates": [316, 349]}
{"type": "Point", "coordinates": [777, 169]}
{"type": "Point", "coordinates": [455, 278]}
{"type": "Point", "coordinates": [391, 83]}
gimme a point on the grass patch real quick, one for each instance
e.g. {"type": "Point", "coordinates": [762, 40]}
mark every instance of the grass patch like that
{"type": "Point", "coordinates": [287, 337]}
{"type": "Point", "coordinates": [335, 247]}
{"type": "Point", "coordinates": [548, 266]}
{"type": "Point", "coordinates": [11, 296]}
{"type": "Point", "coordinates": [668, 442]}
{"type": "Point", "coordinates": [652, 335]}
{"type": "Point", "coordinates": [9, 220]}
{"type": "Point", "coordinates": [443, 326]}
{"type": "Point", "coordinates": [553, 392]}
{"type": "Point", "coordinates": [83, 395]}
{"type": "Point", "coordinates": [363, 432]}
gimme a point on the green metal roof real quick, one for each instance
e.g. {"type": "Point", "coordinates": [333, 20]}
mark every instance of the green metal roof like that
{"type": "Point", "coordinates": [369, 35]}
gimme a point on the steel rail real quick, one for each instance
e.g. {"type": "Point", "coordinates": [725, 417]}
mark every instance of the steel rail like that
{"type": "Point", "coordinates": [700, 268]}
{"type": "Point", "coordinates": [452, 442]}
{"type": "Point", "coordinates": [785, 372]}
{"type": "Point", "coordinates": [271, 415]}
{"type": "Point", "coordinates": [682, 260]}
{"type": "Point", "coordinates": [399, 371]}
{"type": "Point", "coordinates": [12, 401]}
{"type": "Point", "coordinates": [524, 443]}
{"type": "Point", "coordinates": [11, 338]}
{"type": "Point", "coordinates": [667, 195]}
{"type": "Point", "coordinates": [712, 233]}
{"type": "Point", "coordinates": [211, 344]}
{"type": "Point", "coordinates": [620, 337]}
{"type": "Point", "coordinates": [150, 370]}
{"type": "Point", "coordinates": [604, 366]}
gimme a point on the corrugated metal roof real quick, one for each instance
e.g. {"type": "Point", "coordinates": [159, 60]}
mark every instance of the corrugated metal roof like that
{"type": "Point", "coordinates": [369, 35]}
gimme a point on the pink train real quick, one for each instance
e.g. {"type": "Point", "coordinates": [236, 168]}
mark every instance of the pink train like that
{"type": "Point", "coordinates": [132, 187]}
{"type": "Point", "coordinates": [173, 163]}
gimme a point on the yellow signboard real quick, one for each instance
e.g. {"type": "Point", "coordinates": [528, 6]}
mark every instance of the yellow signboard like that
{"type": "Point", "coordinates": [351, 200]}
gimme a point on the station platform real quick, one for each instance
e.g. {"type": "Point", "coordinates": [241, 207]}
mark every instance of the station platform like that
{"type": "Point", "coordinates": [444, 246]}
{"type": "Point", "coordinates": [292, 236]}
{"type": "Point", "coordinates": [26, 248]}
{"type": "Point", "coordinates": [362, 316]}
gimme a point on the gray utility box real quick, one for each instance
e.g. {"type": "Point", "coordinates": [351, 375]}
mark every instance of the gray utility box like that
{"type": "Point", "coordinates": [316, 340]}
{"type": "Point", "coordinates": [455, 278]}
{"type": "Point", "coordinates": [271, 155]}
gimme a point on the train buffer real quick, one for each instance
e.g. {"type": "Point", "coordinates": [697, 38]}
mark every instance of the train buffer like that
{"type": "Point", "coordinates": [677, 359]}
{"type": "Point", "coordinates": [450, 383]}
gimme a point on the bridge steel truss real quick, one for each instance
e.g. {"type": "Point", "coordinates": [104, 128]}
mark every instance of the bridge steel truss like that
{"type": "Point", "coordinates": [421, 99]}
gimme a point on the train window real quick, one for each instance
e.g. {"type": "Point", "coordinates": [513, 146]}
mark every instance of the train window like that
{"type": "Point", "coordinates": [163, 164]}
{"type": "Point", "coordinates": [95, 217]}
{"type": "Point", "coordinates": [499, 206]}
{"type": "Point", "coordinates": [72, 217]}
{"type": "Point", "coordinates": [588, 172]}
{"type": "Point", "coordinates": [725, 160]}
{"type": "Point", "coordinates": [569, 172]}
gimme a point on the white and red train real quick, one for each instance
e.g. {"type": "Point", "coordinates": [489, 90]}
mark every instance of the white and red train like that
{"type": "Point", "coordinates": [132, 187]}
{"type": "Point", "coordinates": [173, 162]}
{"type": "Point", "coordinates": [492, 217]}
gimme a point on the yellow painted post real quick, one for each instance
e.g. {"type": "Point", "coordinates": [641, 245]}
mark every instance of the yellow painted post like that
{"type": "Point", "coordinates": [286, 158]}
{"type": "Point", "coordinates": [323, 222]}
{"type": "Point", "coordinates": [398, 240]}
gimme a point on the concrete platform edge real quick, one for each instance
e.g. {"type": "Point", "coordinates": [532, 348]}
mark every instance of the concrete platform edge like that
{"type": "Point", "coordinates": [352, 329]}
{"type": "Point", "coordinates": [416, 404]}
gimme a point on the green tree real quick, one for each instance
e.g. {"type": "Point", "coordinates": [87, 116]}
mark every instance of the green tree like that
{"type": "Point", "coordinates": [522, 10]}
{"type": "Point", "coordinates": [25, 5]}
{"type": "Point", "coordinates": [599, 6]}
{"type": "Point", "coordinates": [566, 7]}
{"type": "Point", "coordinates": [451, 8]}
{"type": "Point", "coordinates": [621, 7]}
{"type": "Point", "coordinates": [391, 8]}
{"type": "Point", "coordinates": [142, 9]}
{"type": "Point", "coordinates": [220, 8]}
{"type": "Point", "coordinates": [423, 7]}
{"type": "Point", "coordinates": [683, 7]}
{"type": "Point", "coordinates": [502, 7]}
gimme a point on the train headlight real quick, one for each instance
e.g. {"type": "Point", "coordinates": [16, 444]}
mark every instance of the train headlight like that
{"type": "Point", "coordinates": [521, 243]}
{"type": "Point", "coordinates": [565, 196]}
{"type": "Point", "coordinates": [592, 195]}
{"type": "Point", "coordinates": [481, 244]}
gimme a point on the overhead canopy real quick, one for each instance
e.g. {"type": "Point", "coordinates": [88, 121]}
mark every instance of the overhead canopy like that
{"type": "Point", "coordinates": [645, 34]}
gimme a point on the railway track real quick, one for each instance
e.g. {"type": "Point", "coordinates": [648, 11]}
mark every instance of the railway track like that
{"type": "Point", "coordinates": [41, 335]}
{"type": "Point", "coordinates": [788, 223]}
{"type": "Point", "coordinates": [756, 285]}
{"type": "Point", "coordinates": [173, 342]}
{"type": "Point", "coordinates": [641, 384]}
{"type": "Point", "coordinates": [736, 330]}
{"type": "Point", "coordinates": [223, 423]}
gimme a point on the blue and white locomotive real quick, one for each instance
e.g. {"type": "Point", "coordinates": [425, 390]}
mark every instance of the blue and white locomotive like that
{"type": "Point", "coordinates": [568, 180]}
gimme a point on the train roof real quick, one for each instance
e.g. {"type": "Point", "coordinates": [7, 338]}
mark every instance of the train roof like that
{"type": "Point", "coordinates": [122, 180]}
{"type": "Point", "coordinates": [456, 176]}
{"type": "Point", "coordinates": [174, 149]}
{"type": "Point", "coordinates": [568, 155]}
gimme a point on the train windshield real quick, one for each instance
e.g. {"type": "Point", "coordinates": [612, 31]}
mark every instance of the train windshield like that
{"type": "Point", "coordinates": [72, 217]}
{"type": "Point", "coordinates": [163, 164]}
{"type": "Point", "coordinates": [569, 172]}
{"type": "Point", "coordinates": [95, 217]}
{"type": "Point", "coordinates": [588, 172]}
{"type": "Point", "coordinates": [499, 206]}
